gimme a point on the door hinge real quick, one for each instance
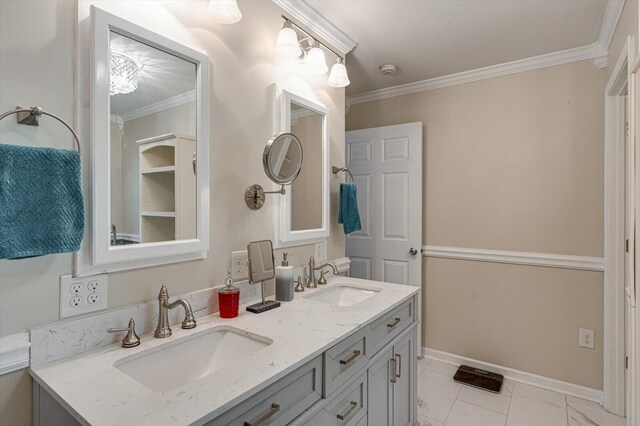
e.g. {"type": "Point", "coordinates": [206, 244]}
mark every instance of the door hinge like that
{"type": "Point", "coordinates": [626, 129]}
{"type": "Point", "coordinates": [626, 362]}
{"type": "Point", "coordinates": [626, 245]}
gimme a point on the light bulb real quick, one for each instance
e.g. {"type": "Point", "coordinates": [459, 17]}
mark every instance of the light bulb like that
{"type": "Point", "coordinates": [288, 45]}
{"type": "Point", "coordinates": [224, 11]}
{"type": "Point", "coordinates": [315, 61]}
{"type": "Point", "coordinates": [338, 76]}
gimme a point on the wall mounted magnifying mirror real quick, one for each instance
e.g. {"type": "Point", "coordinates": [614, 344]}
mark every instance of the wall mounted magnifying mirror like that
{"type": "Point", "coordinates": [282, 162]}
{"type": "Point", "coordinates": [302, 215]}
{"type": "Point", "coordinates": [150, 101]}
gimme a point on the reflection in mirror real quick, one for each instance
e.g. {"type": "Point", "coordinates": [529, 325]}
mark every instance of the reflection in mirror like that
{"type": "Point", "coordinates": [261, 268]}
{"type": "Point", "coordinates": [152, 144]}
{"type": "Point", "coordinates": [283, 158]}
{"type": "Point", "coordinates": [306, 191]}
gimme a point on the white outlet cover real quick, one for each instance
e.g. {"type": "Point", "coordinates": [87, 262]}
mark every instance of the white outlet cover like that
{"type": "Point", "coordinates": [321, 251]}
{"type": "Point", "coordinates": [587, 338]}
{"type": "Point", "coordinates": [239, 266]}
{"type": "Point", "coordinates": [90, 291]}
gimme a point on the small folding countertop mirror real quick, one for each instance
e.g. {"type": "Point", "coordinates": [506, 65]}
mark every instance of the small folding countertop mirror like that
{"type": "Point", "coordinates": [151, 138]}
{"type": "Point", "coordinates": [261, 269]}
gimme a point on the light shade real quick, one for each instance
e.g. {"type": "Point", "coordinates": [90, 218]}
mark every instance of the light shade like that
{"type": "Point", "coordinates": [224, 11]}
{"type": "Point", "coordinates": [123, 74]}
{"type": "Point", "coordinates": [315, 61]}
{"type": "Point", "coordinates": [338, 76]}
{"type": "Point", "coordinates": [288, 45]}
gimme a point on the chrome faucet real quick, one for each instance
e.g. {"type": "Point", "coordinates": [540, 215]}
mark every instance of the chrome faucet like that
{"type": "Point", "coordinates": [163, 329]}
{"type": "Point", "coordinates": [313, 283]}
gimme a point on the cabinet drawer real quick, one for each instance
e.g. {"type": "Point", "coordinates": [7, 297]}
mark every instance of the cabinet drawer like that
{"type": "Point", "coordinates": [281, 402]}
{"type": "Point", "coordinates": [343, 361]}
{"type": "Point", "coordinates": [347, 408]}
{"type": "Point", "coordinates": [391, 325]}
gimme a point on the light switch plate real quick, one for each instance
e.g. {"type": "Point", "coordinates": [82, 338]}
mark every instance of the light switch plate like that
{"type": "Point", "coordinates": [82, 295]}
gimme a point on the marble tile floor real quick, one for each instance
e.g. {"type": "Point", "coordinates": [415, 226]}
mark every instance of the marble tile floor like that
{"type": "Point", "coordinates": [443, 402]}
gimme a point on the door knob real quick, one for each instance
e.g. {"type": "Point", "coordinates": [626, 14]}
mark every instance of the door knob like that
{"type": "Point", "coordinates": [413, 251]}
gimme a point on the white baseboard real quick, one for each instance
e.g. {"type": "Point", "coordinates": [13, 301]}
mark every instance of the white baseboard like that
{"type": "Point", "coordinates": [14, 352]}
{"type": "Point", "coordinates": [519, 376]}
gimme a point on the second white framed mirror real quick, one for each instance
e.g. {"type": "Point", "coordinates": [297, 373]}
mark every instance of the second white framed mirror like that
{"type": "Point", "coordinates": [302, 216]}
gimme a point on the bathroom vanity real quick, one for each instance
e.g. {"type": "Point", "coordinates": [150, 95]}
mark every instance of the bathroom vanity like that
{"type": "Point", "coordinates": [342, 354]}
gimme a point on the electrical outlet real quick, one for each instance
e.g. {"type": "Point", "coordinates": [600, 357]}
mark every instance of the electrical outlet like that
{"type": "Point", "coordinates": [587, 338]}
{"type": "Point", "coordinates": [239, 265]}
{"type": "Point", "coordinates": [82, 295]}
{"type": "Point", "coordinates": [321, 251]}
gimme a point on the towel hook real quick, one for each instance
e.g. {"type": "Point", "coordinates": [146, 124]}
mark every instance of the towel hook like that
{"type": "Point", "coordinates": [30, 117]}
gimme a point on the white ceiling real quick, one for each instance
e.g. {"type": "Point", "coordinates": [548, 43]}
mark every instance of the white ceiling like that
{"type": "Point", "coordinates": [162, 76]}
{"type": "Point", "coordinates": [432, 38]}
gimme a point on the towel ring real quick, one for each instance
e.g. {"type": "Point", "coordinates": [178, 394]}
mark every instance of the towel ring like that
{"type": "Point", "coordinates": [30, 116]}
{"type": "Point", "coordinates": [335, 170]}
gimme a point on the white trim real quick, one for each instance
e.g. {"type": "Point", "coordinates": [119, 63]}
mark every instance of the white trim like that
{"type": "Point", "coordinates": [583, 392]}
{"type": "Point", "coordinates": [528, 64]}
{"type": "Point", "coordinates": [610, 22]}
{"type": "Point", "coordinates": [310, 19]}
{"type": "Point", "coordinates": [614, 229]}
{"type": "Point", "coordinates": [585, 263]}
{"type": "Point", "coordinates": [14, 352]}
{"type": "Point", "coordinates": [162, 105]}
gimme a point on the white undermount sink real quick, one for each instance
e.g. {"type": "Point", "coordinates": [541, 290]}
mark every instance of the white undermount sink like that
{"type": "Point", "coordinates": [190, 358]}
{"type": "Point", "coordinates": [343, 294]}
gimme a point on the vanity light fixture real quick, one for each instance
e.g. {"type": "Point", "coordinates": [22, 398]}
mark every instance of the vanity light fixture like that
{"type": "Point", "coordinates": [288, 45]}
{"type": "Point", "coordinates": [224, 11]}
{"type": "Point", "coordinates": [123, 74]}
{"type": "Point", "coordinates": [338, 76]}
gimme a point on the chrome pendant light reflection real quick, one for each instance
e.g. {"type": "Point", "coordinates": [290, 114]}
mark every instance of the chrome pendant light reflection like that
{"type": "Point", "coordinates": [224, 11]}
{"type": "Point", "coordinates": [338, 76]}
{"type": "Point", "coordinates": [123, 74]}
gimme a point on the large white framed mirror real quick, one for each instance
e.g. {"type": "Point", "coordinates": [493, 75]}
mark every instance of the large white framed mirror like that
{"type": "Point", "coordinates": [150, 146]}
{"type": "Point", "coordinates": [302, 216]}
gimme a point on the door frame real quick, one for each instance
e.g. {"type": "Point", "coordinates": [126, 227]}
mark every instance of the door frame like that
{"type": "Point", "coordinates": [614, 229]}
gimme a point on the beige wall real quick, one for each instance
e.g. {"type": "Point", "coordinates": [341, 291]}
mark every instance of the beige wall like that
{"type": "Point", "coordinates": [37, 67]}
{"type": "Point", "coordinates": [511, 163]}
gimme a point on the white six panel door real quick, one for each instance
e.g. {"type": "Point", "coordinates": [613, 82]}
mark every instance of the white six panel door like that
{"type": "Point", "coordinates": [386, 163]}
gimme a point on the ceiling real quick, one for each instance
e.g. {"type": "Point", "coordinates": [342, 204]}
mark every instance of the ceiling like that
{"type": "Point", "coordinates": [433, 38]}
{"type": "Point", "coordinates": [162, 76]}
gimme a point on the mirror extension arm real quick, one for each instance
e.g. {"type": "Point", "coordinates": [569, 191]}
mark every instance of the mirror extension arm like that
{"type": "Point", "coordinates": [254, 195]}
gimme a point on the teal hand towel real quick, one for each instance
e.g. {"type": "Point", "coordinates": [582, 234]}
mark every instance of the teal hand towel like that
{"type": "Point", "coordinates": [348, 214]}
{"type": "Point", "coordinates": [41, 204]}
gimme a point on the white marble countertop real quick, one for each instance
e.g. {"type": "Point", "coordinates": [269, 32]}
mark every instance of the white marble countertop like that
{"type": "Point", "coordinates": [96, 393]}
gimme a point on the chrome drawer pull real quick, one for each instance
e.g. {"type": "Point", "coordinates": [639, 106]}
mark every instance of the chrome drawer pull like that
{"type": "Point", "coordinates": [394, 323]}
{"type": "Point", "coordinates": [354, 405]}
{"type": "Point", "coordinates": [274, 409]}
{"type": "Point", "coordinates": [351, 357]}
{"type": "Point", "coordinates": [399, 373]}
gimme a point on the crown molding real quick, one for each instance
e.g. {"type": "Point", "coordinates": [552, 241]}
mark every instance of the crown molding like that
{"type": "Point", "coordinates": [610, 22]}
{"type": "Point", "coordinates": [14, 352]}
{"type": "Point", "coordinates": [310, 19]}
{"type": "Point", "coordinates": [528, 64]}
{"type": "Point", "coordinates": [165, 104]}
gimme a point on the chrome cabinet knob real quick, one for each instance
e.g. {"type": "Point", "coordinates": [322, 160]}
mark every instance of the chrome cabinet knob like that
{"type": "Point", "coordinates": [413, 251]}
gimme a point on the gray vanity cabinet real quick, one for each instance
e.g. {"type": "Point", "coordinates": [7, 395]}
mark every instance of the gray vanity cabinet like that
{"type": "Point", "coordinates": [391, 385]}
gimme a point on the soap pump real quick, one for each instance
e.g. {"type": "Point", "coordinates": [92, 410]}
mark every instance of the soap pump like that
{"type": "Point", "coordinates": [284, 280]}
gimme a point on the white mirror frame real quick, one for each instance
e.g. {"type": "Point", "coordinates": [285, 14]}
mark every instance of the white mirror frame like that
{"type": "Point", "coordinates": [284, 236]}
{"type": "Point", "coordinates": [140, 255]}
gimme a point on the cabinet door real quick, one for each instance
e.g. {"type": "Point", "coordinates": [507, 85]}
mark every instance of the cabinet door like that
{"type": "Point", "coordinates": [379, 390]}
{"type": "Point", "coordinates": [404, 401]}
